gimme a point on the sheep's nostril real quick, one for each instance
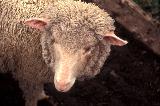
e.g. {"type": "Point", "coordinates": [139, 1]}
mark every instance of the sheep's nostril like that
{"type": "Point", "coordinates": [61, 85]}
{"type": "Point", "coordinates": [64, 85]}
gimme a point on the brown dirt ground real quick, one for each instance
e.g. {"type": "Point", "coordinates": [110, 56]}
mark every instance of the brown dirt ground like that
{"type": "Point", "coordinates": [130, 77]}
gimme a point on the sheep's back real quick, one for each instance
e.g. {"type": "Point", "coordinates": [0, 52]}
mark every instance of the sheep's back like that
{"type": "Point", "coordinates": [17, 41]}
{"type": "Point", "coordinates": [13, 33]}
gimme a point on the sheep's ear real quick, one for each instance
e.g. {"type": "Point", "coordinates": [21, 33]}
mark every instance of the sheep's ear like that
{"type": "Point", "coordinates": [114, 40]}
{"type": "Point", "coordinates": [36, 23]}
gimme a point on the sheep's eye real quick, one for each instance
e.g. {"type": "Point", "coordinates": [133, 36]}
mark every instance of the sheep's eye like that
{"type": "Point", "coordinates": [55, 41]}
{"type": "Point", "coordinates": [52, 41]}
{"type": "Point", "coordinates": [88, 49]}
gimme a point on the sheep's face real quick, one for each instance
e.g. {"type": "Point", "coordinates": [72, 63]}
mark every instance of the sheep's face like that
{"type": "Point", "coordinates": [72, 50]}
{"type": "Point", "coordinates": [72, 47]}
{"type": "Point", "coordinates": [67, 66]}
{"type": "Point", "coordinates": [71, 57]}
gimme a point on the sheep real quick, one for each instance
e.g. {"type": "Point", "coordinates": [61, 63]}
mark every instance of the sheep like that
{"type": "Point", "coordinates": [57, 42]}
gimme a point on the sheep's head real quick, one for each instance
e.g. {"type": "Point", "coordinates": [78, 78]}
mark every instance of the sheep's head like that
{"type": "Point", "coordinates": [76, 41]}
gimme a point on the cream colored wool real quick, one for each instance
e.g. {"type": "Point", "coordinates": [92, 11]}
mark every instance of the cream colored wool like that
{"type": "Point", "coordinates": [26, 52]}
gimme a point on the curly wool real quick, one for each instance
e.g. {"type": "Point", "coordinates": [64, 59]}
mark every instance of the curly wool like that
{"type": "Point", "coordinates": [19, 41]}
{"type": "Point", "coordinates": [75, 25]}
{"type": "Point", "coordinates": [21, 48]}
{"type": "Point", "coordinates": [76, 14]}
{"type": "Point", "coordinates": [77, 18]}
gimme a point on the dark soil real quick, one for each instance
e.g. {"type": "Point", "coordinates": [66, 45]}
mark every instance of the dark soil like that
{"type": "Point", "coordinates": [130, 77]}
